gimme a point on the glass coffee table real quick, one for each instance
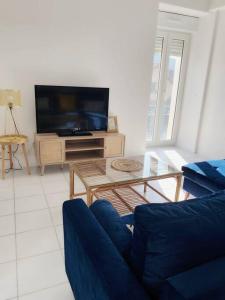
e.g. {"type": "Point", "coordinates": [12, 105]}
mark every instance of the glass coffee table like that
{"type": "Point", "coordinates": [101, 180]}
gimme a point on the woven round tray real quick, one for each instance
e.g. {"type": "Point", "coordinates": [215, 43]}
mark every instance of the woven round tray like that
{"type": "Point", "coordinates": [127, 165]}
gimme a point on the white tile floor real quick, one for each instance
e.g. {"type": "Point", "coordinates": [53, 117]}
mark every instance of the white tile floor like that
{"type": "Point", "coordinates": [31, 232]}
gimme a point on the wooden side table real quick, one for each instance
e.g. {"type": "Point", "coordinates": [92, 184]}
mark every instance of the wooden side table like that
{"type": "Point", "coordinates": [9, 140]}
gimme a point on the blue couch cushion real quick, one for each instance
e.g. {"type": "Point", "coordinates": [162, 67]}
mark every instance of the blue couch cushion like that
{"type": "Point", "coordinates": [174, 237]}
{"type": "Point", "coordinates": [113, 224]}
{"type": "Point", "coordinates": [210, 174]}
{"type": "Point", "coordinates": [204, 282]}
{"type": "Point", "coordinates": [195, 188]}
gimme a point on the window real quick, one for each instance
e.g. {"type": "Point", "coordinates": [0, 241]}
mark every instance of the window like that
{"type": "Point", "coordinates": [166, 87]}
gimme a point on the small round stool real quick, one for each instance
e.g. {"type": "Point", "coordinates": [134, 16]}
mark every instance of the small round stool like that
{"type": "Point", "coordinates": [9, 140]}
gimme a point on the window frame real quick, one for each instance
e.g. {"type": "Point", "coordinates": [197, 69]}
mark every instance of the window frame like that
{"type": "Point", "coordinates": [167, 36]}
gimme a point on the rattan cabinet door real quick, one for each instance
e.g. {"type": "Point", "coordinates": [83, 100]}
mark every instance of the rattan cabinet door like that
{"type": "Point", "coordinates": [114, 146]}
{"type": "Point", "coordinates": [51, 152]}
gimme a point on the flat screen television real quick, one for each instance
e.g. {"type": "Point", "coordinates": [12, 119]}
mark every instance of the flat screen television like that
{"type": "Point", "coordinates": [65, 109]}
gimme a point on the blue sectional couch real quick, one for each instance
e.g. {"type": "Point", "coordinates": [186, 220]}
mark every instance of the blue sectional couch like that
{"type": "Point", "coordinates": [203, 178]}
{"type": "Point", "coordinates": [175, 252]}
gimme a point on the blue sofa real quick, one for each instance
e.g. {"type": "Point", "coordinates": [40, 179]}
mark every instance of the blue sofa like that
{"type": "Point", "coordinates": [203, 178]}
{"type": "Point", "coordinates": [176, 250]}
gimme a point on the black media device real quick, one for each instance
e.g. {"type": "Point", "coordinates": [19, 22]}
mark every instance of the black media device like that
{"type": "Point", "coordinates": [71, 111]}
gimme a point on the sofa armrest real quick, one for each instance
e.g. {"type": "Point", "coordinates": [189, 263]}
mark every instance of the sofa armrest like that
{"type": "Point", "coordinates": [95, 268]}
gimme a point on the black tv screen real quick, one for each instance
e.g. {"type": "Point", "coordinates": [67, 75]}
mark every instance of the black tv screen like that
{"type": "Point", "coordinates": [61, 108]}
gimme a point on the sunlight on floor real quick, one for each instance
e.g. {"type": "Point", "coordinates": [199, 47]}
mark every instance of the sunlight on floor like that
{"type": "Point", "coordinates": [174, 156]}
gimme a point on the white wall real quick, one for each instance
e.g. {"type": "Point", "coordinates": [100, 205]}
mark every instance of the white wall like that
{"type": "Point", "coordinates": [186, 7]}
{"type": "Point", "coordinates": [176, 22]}
{"type": "Point", "coordinates": [202, 5]}
{"type": "Point", "coordinates": [85, 43]}
{"type": "Point", "coordinates": [217, 3]}
{"type": "Point", "coordinates": [203, 119]}
{"type": "Point", "coordinates": [212, 135]}
{"type": "Point", "coordinates": [198, 67]}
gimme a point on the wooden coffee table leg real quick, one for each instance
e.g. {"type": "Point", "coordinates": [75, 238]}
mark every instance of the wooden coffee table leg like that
{"type": "Point", "coordinates": [145, 187]}
{"type": "Point", "coordinates": [92, 197]}
{"type": "Point", "coordinates": [71, 184]}
{"type": "Point", "coordinates": [178, 187]}
{"type": "Point", "coordinates": [3, 161]}
{"type": "Point", "coordinates": [187, 195]}
{"type": "Point", "coordinates": [89, 197]}
{"type": "Point", "coordinates": [10, 157]}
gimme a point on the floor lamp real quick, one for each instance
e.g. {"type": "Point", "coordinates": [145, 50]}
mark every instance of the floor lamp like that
{"type": "Point", "coordinates": [10, 99]}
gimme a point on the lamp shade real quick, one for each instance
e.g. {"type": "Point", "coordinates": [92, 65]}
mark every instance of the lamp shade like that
{"type": "Point", "coordinates": [10, 97]}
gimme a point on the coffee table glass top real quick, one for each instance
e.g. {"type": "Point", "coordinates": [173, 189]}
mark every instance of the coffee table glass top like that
{"type": "Point", "coordinates": [99, 173]}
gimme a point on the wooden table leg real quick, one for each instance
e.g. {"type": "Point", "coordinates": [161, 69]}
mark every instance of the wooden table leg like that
{"type": "Point", "coordinates": [92, 197]}
{"type": "Point", "coordinates": [42, 170]}
{"type": "Point", "coordinates": [186, 196]}
{"type": "Point", "coordinates": [178, 187]}
{"type": "Point", "coordinates": [89, 197]}
{"type": "Point", "coordinates": [10, 157]}
{"type": "Point", "coordinates": [26, 159]}
{"type": "Point", "coordinates": [145, 187]}
{"type": "Point", "coordinates": [71, 184]}
{"type": "Point", "coordinates": [3, 161]}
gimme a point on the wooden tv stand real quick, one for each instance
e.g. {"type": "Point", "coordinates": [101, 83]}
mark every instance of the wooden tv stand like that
{"type": "Point", "coordinates": [51, 149]}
